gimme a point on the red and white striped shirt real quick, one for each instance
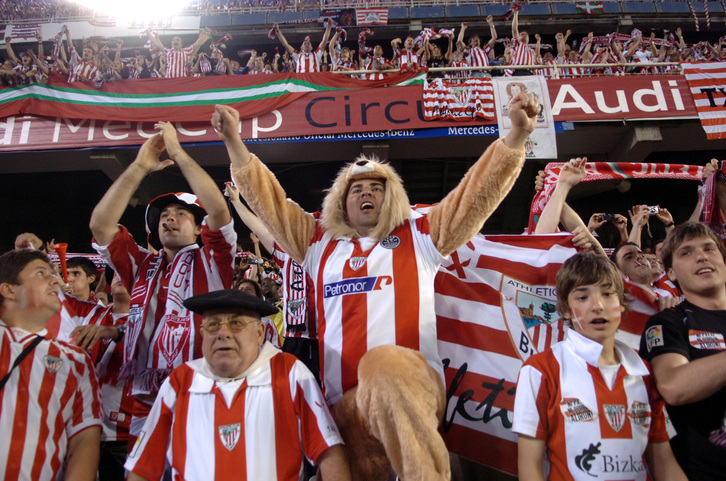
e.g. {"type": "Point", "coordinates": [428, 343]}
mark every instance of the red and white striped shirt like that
{"type": "Point", "coordinates": [298, 299]}
{"type": "Point", "coordinates": [81, 71]}
{"type": "Point", "coordinates": [477, 56]}
{"type": "Point", "coordinates": [459, 74]}
{"type": "Point", "coordinates": [256, 427]}
{"type": "Point", "coordinates": [178, 61]}
{"type": "Point", "coordinates": [371, 293]}
{"type": "Point", "coordinates": [49, 398]}
{"type": "Point", "coordinates": [564, 399]}
{"type": "Point", "coordinates": [74, 312]}
{"type": "Point", "coordinates": [407, 59]}
{"type": "Point", "coordinates": [307, 62]}
{"type": "Point", "coordinates": [339, 64]}
{"type": "Point", "coordinates": [522, 54]}
{"type": "Point", "coordinates": [370, 64]}
{"type": "Point", "coordinates": [166, 333]}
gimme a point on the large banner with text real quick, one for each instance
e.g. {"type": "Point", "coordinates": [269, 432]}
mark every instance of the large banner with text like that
{"type": "Point", "coordinates": [122, 113]}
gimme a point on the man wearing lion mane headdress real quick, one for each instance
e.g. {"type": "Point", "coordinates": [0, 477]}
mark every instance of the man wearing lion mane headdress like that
{"type": "Point", "coordinates": [373, 261]}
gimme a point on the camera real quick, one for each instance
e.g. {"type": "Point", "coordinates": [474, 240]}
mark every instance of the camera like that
{"type": "Point", "coordinates": [609, 217]}
{"type": "Point", "coordinates": [653, 209]}
{"type": "Point", "coordinates": [256, 261]}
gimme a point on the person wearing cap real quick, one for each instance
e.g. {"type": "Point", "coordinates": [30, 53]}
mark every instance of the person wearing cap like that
{"type": "Point", "coordinates": [373, 261]}
{"type": "Point", "coordinates": [161, 333]}
{"type": "Point", "coordinates": [306, 60]}
{"type": "Point", "coordinates": [243, 406]}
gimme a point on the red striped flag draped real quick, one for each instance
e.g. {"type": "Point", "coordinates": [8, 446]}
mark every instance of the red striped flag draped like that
{"type": "Point", "coordinates": [707, 82]}
{"type": "Point", "coordinates": [23, 31]}
{"type": "Point", "coordinates": [445, 99]}
{"type": "Point", "coordinates": [371, 16]}
{"type": "Point", "coordinates": [495, 307]}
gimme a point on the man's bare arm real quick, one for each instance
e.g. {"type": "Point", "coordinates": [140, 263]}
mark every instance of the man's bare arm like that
{"type": "Point", "coordinates": [283, 40]}
{"type": "Point", "coordinates": [84, 450]}
{"type": "Point", "coordinates": [333, 464]}
{"type": "Point", "coordinates": [250, 219]}
{"type": "Point", "coordinates": [108, 212]}
{"type": "Point", "coordinates": [681, 381]}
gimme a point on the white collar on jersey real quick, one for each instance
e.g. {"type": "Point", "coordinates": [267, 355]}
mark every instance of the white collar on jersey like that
{"type": "Point", "coordinates": [267, 352]}
{"type": "Point", "coordinates": [590, 351]}
{"type": "Point", "coordinates": [21, 334]}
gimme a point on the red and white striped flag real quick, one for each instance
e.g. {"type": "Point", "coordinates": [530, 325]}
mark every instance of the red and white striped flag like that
{"type": "Point", "coordinates": [371, 16]}
{"type": "Point", "coordinates": [23, 31]}
{"type": "Point", "coordinates": [458, 100]}
{"type": "Point", "coordinates": [495, 307]}
{"type": "Point", "coordinates": [707, 82]}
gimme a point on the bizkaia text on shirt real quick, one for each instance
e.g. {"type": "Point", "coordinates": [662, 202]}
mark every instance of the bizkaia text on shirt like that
{"type": "Point", "coordinates": [356, 285]}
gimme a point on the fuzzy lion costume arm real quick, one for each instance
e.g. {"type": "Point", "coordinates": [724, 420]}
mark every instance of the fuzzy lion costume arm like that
{"type": "Point", "coordinates": [461, 214]}
{"type": "Point", "coordinates": [289, 224]}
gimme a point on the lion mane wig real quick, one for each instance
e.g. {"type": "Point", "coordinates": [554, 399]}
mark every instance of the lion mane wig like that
{"type": "Point", "coordinates": [396, 208]}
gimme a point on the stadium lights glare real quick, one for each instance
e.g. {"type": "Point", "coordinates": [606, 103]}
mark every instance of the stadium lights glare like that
{"type": "Point", "coordinates": [135, 9]}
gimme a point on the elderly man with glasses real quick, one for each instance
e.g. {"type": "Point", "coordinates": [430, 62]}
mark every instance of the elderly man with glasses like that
{"type": "Point", "coordinates": [243, 406]}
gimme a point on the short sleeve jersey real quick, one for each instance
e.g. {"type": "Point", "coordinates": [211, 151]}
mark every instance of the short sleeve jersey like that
{"type": "Point", "coordinates": [694, 333]}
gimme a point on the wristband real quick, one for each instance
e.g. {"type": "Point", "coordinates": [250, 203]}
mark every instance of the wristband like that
{"type": "Point", "coordinates": [670, 224]}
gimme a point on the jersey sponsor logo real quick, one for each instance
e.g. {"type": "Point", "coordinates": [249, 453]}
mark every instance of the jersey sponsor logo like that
{"type": "Point", "coordinates": [575, 411]}
{"type": "Point", "coordinates": [391, 242]}
{"type": "Point", "coordinates": [356, 263]}
{"type": "Point", "coordinates": [229, 434]}
{"type": "Point", "coordinates": [173, 337]}
{"type": "Point", "coordinates": [711, 341]}
{"type": "Point", "coordinates": [615, 415]}
{"type": "Point", "coordinates": [639, 414]}
{"type": "Point", "coordinates": [356, 286]}
{"type": "Point", "coordinates": [584, 460]}
{"type": "Point", "coordinates": [617, 464]}
{"type": "Point", "coordinates": [52, 363]}
{"type": "Point", "coordinates": [654, 337]}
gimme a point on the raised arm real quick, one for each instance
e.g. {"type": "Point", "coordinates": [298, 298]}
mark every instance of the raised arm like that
{"type": "Point", "coordinates": [11, 52]}
{"type": "Point", "coordinates": [201, 183]}
{"type": "Point", "coordinates": [538, 47]}
{"type": "Point", "coordinates": [288, 224]}
{"type": "Point", "coordinates": [38, 62]}
{"type": "Point", "coordinates": [462, 212]}
{"type": "Point", "coordinates": [460, 39]}
{"type": "Point", "coordinates": [332, 44]}
{"type": "Point", "coordinates": [203, 38]}
{"type": "Point", "coordinates": [571, 174]}
{"type": "Point", "coordinates": [108, 212]}
{"type": "Point", "coordinates": [493, 31]}
{"type": "Point", "coordinates": [283, 40]}
{"type": "Point", "coordinates": [326, 35]}
{"type": "Point", "coordinates": [249, 219]}
{"type": "Point", "coordinates": [638, 217]}
{"type": "Point", "coordinates": [515, 24]}
{"type": "Point", "coordinates": [155, 40]}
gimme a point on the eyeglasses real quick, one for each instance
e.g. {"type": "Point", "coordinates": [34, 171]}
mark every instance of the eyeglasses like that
{"type": "Point", "coordinates": [234, 325]}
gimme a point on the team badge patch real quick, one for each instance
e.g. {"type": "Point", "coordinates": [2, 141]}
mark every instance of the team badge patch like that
{"type": "Point", "coordinates": [639, 414]}
{"type": "Point", "coordinates": [52, 363]}
{"type": "Point", "coordinates": [356, 263]}
{"type": "Point", "coordinates": [229, 434]}
{"type": "Point", "coordinates": [710, 341]}
{"type": "Point", "coordinates": [391, 242]}
{"type": "Point", "coordinates": [574, 411]}
{"type": "Point", "coordinates": [615, 415]}
{"type": "Point", "coordinates": [174, 336]}
{"type": "Point", "coordinates": [654, 337]}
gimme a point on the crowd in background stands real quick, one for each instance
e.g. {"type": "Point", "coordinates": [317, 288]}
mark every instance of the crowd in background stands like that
{"type": "Point", "coordinates": [613, 54]}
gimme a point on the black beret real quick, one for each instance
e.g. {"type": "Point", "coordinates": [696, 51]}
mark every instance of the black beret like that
{"type": "Point", "coordinates": [229, 299]}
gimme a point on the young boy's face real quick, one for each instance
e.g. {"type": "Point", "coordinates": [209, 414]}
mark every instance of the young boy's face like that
{"type": "Point", "coordinates": [595, 310]}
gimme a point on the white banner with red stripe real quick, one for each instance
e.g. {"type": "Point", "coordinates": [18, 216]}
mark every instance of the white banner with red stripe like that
{"type": "Point", "coordinates": [495, 307]}
{"type": "Point", "coordinates": [542, 144]}
{"type": "Point", "coordinates": [707, 82]}
{"type": "Point", "coordinates": [371, 16]}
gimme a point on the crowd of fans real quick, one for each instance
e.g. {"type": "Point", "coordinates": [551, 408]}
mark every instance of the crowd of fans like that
{"type": "Point", "coordinates": [487, 55]}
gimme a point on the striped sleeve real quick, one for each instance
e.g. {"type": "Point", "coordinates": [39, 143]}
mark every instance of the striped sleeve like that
{"type": "Point", "coordinates": [661, 429]}
{"type": "Point", "coordinates": [148, 456]}
{"type": "Point", "coordinates": [219, 247]}
{"type": "Point", "coordinates": [317, 428]}
{"type": "Point", "coordinates": [87, 398]}
{"type": "Point", "coordinates": [530, 415]}
{"type": "Point", "coordinates": [124, 256]}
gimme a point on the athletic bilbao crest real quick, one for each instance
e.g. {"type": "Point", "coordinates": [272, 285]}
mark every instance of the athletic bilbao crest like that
{"type": "Point", "coordinates": [52, 363]}
{"type": "Point", "coordinates": [229, 435]}
{"type": "Point", "coordinates": [615, 415]}
{"type": "Point", "coordinates": [356, 263]}
{"type": "Point", "coordinates": [296, 308]}
{"type": "Point", "coordinates": [531, 315]}
{"type": "Point", "coordinates": [173, 337]}
{"type": "Point", "coordinates": [461, 94]}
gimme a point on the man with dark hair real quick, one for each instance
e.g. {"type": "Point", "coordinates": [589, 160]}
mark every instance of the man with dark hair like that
{"type": "Point", "coordinates": [48, 385]}
{"type": "Point", "coordinates": [82, 276]}
{"type": "Point", "coordinates": [162, 333]}
{"type": "Point", "coordinates": [687, 350]}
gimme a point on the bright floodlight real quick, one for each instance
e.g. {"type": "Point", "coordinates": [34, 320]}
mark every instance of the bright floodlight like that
{"type": "Point", "coordinates": [136, 9]}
